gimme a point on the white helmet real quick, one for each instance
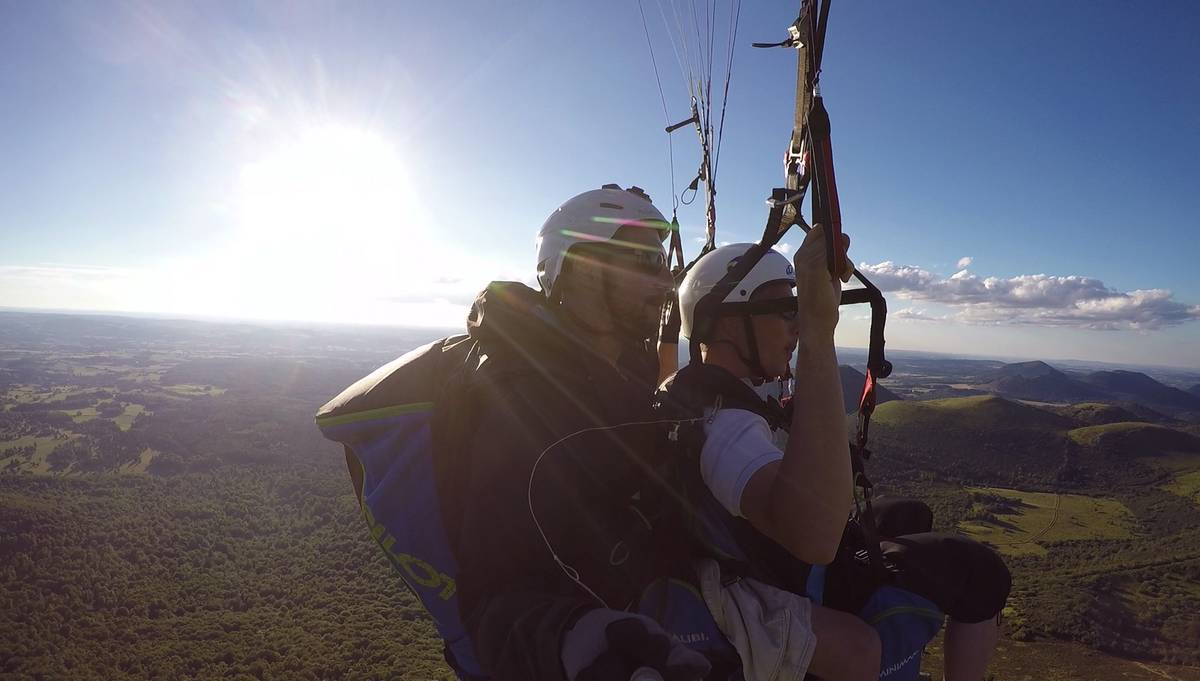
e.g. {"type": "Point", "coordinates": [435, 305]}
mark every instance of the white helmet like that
{"type": "Point", "coordinates": [712, 267]}
{"type": "Point", "coordinates": [592, 216]}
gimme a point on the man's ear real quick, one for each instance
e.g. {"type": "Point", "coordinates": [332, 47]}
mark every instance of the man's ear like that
{"type": "Point", "coordinates": [728, 329]}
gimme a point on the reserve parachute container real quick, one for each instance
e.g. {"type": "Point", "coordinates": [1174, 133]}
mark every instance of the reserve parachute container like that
{"type": "Point", "coordinates": [399, 427]}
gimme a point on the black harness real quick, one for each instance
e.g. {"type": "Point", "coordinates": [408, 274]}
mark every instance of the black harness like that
{"type": "Point", "coordinates": [741, 550]}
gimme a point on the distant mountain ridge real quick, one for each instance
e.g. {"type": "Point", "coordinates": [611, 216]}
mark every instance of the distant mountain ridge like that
{"type": "Point", "coordinates": [1041, 382]}
{"type": "Point", "coordinates": [1038, 381]}
{"type": "Point", "coordinates": [1138, 387]}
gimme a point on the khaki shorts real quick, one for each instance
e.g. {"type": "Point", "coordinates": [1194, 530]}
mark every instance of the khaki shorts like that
{"type": "Point", "coordinates": [771, 628]}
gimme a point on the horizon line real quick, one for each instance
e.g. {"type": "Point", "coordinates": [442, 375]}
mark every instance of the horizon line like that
{"type": "Point", "coordinates": [213, 319]}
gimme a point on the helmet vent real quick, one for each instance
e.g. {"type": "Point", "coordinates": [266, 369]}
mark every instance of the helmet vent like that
{"type": "Point", "coordinates": [612, 205]}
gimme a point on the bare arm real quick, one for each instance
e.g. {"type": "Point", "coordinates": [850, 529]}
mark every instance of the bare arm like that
{"type": "Point", "coordinates": [802, 501]}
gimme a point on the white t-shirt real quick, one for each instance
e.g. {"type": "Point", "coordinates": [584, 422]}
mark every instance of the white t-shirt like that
{"type": "Point", "coordinates": [737, 444]}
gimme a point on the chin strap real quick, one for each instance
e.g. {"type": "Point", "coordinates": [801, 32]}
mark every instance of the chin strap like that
{"type": "Point", "coordinates": [754, 361]}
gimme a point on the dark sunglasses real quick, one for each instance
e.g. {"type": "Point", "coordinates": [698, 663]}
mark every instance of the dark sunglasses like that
{"type": "Point", "coordinates": [642, 259]}
{"type": "Point", "coordinates": [785, 308]}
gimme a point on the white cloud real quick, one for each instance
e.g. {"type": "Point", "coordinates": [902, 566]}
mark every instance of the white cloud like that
{"type": "Point", "coordinates": [914, 314]}
{"type": "Point", "coordinates": [965, 262]}
{"type": "Point", "coordinates": [1034, 299]}
{"type": "Point", "coordinates": [783, 248]}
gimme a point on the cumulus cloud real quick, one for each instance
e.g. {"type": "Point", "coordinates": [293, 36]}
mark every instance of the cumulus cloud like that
{"type": "Point", "coordinates": [783, 248]}
{"type": "Point", "coordinates": [1033, 299]}
{"type": "Point", "coordinates": [965, 262]}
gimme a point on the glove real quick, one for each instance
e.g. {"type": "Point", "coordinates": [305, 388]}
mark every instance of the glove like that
{"type": "Point", "coordinates": [611, 645]}
{"type": "Point", "coordinates": [818, 293]}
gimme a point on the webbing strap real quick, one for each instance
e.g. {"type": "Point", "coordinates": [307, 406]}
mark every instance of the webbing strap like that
{"type": "Point", "coordinates": [858, 456]}
{"type": "Point", "coordinates": [675, 249]}
{"type": "Point", "coordinates": [706, 308]}
{"type": "Point", "coordinates": [809, 162]}
{"type": "Point", "coordinates": [826, 210]}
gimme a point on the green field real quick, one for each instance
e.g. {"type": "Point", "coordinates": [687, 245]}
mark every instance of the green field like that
{"type": "Point", "coordinates": [1031, 520]}
{"type": "Point", "coordinates": [141, 464]}
{"type": "Point", "coordinates": [81, 415]}
{"type": "Point", "coordinates": [192, 390]}
{"type": "Point", "coordinates": [125, 420]}
{"type": "Point", "coordinates": [34, 464]}
{"type": "Point", "coordinates": [1186, 485]}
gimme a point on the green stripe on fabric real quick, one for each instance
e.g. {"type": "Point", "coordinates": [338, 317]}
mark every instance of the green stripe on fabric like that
{"type": "Point", "coordinates": [371, 415]}
{"type": "Point", "coordinates": [903, 610]}
{"type": "Point", "coordinates": [687, 585]}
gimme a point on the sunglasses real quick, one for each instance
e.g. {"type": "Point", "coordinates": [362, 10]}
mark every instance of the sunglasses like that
{"type": "Point", "coordinates": [645, 260]}
{"type": "Point", "coordinates": [785, 308]}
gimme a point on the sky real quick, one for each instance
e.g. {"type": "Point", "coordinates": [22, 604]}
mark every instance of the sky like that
{"type": "Point", "coordinates": [1020, 178]}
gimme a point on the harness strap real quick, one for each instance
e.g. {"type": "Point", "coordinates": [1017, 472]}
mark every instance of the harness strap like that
{"type": "Point", "coordinates": [858, 456]}
{"type": "Point", "coordinates": [826, 209]}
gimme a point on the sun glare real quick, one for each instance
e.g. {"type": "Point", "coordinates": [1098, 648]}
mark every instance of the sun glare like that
{"type": "Point", "coordinates": [327, 181]}
{"type": "Point", "coordinates": [326, 217]}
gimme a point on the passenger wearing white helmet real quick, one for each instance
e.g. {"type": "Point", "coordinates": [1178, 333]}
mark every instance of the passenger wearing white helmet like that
{"type": "Point", "coordinates": [761, 499]}
{"type": "Point", "coordinates": [798, 497]}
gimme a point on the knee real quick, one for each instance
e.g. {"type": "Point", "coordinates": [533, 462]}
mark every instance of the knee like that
{"type": "Point", "coordinates": [848, 649]}
{"type": "Point", "coordinates": [988, 587]}
{"type": "Point", "coordinates": [872, 654]}
{"type": "Point", "coordinates": [862, 660]}
{"type": "Point", "coordinates": [965, 578]}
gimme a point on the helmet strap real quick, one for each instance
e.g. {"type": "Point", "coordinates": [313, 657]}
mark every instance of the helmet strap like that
{"type": "Point", "coordinates": [753, 361]}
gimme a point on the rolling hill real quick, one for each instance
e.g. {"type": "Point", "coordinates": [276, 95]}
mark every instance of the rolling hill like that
{"type": "Point", "coordinates": [1135, 439]}
{"type": "Point", "coordinates": [982, 438]}
{"type": "Point", "coordinates": [993, 440]}
{"type": "Point", "coordinates": [1100, 413]}
{"type": "Point", "coordinates": [978, 412]}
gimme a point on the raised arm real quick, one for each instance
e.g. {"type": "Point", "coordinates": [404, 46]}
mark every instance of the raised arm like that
{"type": "Point", "coordinates": [802, 501]}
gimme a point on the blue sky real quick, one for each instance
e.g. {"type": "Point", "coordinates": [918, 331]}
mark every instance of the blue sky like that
{"type": "Point", "coordinates": [378, 162]}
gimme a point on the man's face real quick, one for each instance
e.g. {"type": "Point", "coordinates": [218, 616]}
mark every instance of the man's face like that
{"type": "Point", "coordinates": [775, 333]}
{"type": "Point", "coordinates": [627, 280]}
